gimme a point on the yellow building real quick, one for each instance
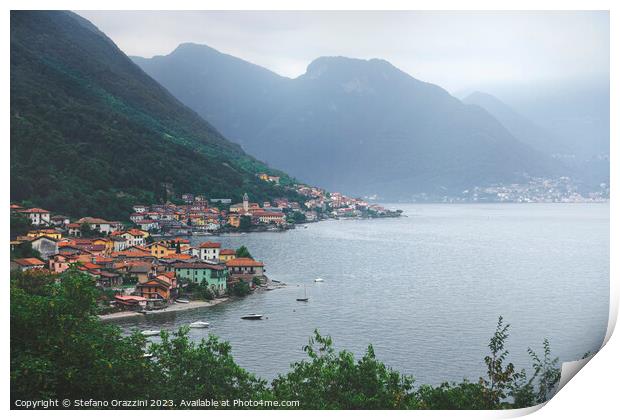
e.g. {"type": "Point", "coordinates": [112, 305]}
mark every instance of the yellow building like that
{"type": "Point", "coordinates": [108, 243]}
{"type": "Point", "coordinates": [160, 250]}
{"type": "Point", "coordinates": [50, 233]}
{"type": "Point", "coordinates": [227, 255]}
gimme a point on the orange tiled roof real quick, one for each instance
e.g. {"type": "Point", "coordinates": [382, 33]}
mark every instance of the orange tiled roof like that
{"type": "Point", "coordinates": [210, 245]}
{"type": "Point", "coordinates": [169, 274]}
{"type": "Point", "coordinates": [180, 257]}
{"type": "Point", "coordinates": [131, 254]}
{"type": "Point", "coordinates": [91, 266]}
{"type": "Point", "coordinates": [34, 210]}
{"type": "Point", "coordinates": [243, 262]}
{"type": "Point", "coordinates": [228, 252]}
{"type": "Point", "coordinates": [264, 213]}
{"type": "Point", "coordinates": [29, 261]}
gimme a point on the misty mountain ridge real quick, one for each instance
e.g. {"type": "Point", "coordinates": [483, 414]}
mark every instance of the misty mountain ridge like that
{"type": "Point", "coordinates": [590, 169]}
{"type": "Point", "coordinates": [360, 126]}
{"type": "Point", "coordinates": [519, 126]}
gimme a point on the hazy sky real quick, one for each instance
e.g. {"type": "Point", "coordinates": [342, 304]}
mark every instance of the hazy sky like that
{"type": "Point", "coordinates": [457, 50]}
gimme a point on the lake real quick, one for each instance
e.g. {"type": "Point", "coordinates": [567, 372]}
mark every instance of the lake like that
{"type": "Point", "coordinates": [426, 290]}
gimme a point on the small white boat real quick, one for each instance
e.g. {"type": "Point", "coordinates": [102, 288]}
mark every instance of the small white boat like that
{"type": "Point", "coordinates": [181, 301]}
{"type": "Point", "coordinates": [252, 316]}
{"type": "Point", "coordinates": [318, 280]}
{"type": "Point", "coordinates": [199, 324]}
{"type": "Point", "coordinates": [150, 333]}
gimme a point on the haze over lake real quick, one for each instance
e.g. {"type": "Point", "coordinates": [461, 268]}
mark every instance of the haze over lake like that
{"type": "Point", "coordinates": [426, 290]}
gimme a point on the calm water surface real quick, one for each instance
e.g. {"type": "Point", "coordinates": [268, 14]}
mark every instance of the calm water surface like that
{"type": "Point", "coordinates": [426, 290]}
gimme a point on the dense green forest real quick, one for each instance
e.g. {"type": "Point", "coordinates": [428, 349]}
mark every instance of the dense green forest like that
{"type": "Point", "coordinates": [92, 134]}
{"type": "Point", "coordinates": [60, 349]}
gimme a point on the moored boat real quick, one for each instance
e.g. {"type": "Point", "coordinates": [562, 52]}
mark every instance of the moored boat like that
{"type": "Point", "coordinates": [181, 301]}
{"type": "Point", "coordinates": [199, 324]}
{"type": "Point", "coordinates": [305, 298]}
{"type": "Point", "coordinates": [252, 316]}
{"type": "Point", "coordinates": [150, 333]}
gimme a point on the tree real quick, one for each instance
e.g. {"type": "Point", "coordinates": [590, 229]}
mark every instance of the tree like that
{"type": "Point", "coordinates": [547, 372]}
{"type": "Point", "coordinates": [60, 349]}
{"type": "Point", "coordinates": [86, 231]}
{"type": "Point", "coordinates": [240, 289]}
{"type": "Point", "coordinates": [58, 346]}
{"type": "Point", "coordinates": [242, 252]}
{"type": "Point", "coordinates": [499, 378]}
{"type": "Point", "coordinates": [296, 217]}
{"type": "Point", "coordinates": [331, 380]}
{"type": "Point", "coordinates": [206, 292]}
{"type": "Point", "coordinates": [20, 225]}
{"type": "Point", "coordinates": [25, 250]}
{"type": "Point", "coordinates": [245, 222]}
{"type": "Point", "coordinates": [186, 370]}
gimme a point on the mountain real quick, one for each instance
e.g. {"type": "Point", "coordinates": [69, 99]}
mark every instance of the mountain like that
{"type": "Point", "coordinates": [360, 126]}
{"type": "Point", "coordinates": [519, 126]}
{"type": "Point", "coordinates": [588, 161]}
{"type": "Point", "coordinates": [92, 134]}
{"type": "Point", "coordinates": [221, 88]}
{"type": "Point", "coordinates": [572, 111]}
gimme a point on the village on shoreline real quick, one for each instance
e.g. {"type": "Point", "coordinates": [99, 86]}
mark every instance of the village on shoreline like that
{"type": "Point", "coordinates": [148, 262]}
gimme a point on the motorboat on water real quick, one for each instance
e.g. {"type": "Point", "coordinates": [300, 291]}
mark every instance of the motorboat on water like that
{"type": "Point", "coordinates": [252, 316]}
{"type": "Point", "coordinates": [318, 280]}
{"type": "Point", "coordinates": [199, 324]}
{"type": "Point", "coordinates": [150, 333]}
{"type": "Point", "coordinates": [305, 298]}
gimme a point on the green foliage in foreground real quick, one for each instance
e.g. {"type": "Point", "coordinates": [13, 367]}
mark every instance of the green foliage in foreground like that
{"type": "Point", "coordinates": [60, 349]}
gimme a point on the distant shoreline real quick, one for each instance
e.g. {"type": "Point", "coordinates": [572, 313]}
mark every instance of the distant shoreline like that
{"type": "Point", "coordinates": [174, 307]}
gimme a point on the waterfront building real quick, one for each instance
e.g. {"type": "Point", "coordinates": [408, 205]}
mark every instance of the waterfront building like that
{"type": "Point", "coordinates": [244, 269]}
{"type": "Point", "coordinates": [214, 275]}
{"type": "Point", "coordinates": [162, 287]}
{"type": "Point", "coordinates": [269, 217]}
